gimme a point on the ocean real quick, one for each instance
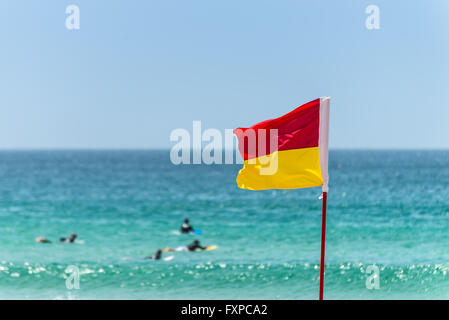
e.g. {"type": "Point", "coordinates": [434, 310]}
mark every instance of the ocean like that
{"type": "Point", "coordinates": [388, 211]}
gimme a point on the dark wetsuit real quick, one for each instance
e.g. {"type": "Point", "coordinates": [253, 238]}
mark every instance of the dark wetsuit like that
{"type": "Point", "coordinates": [157, 255]}
{"type": "Point", "coordinates": [193, 246]}
{"type": "Point", "coordinates": [186, 228]}
{"type": "Point", "coordinates": [71, 239]}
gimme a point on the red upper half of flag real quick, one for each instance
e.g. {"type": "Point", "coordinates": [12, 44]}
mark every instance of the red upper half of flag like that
{"type": "Point", "coordinates": [295, 130]}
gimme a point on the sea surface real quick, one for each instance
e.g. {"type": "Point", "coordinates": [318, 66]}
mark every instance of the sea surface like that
{"type": "Point", "coordinates": [389, 209]}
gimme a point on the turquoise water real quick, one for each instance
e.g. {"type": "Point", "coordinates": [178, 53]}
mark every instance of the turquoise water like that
{"type": "Point", "coordinates": [388, 208]}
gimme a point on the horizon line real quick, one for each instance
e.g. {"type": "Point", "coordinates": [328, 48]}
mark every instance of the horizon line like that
{"type": "Point", "coordinates": [223, 149]}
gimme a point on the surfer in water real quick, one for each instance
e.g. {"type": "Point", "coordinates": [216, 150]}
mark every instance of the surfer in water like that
{"type": "Point", "coordinates": [156, 256]}
{"type": "Point", "coordinates": [70, 240]}
{"type": "Point", "coordinates": [195, 245]}
{"type": "Point", "coordinates": [186, 227]}
{"type": "Point", "coordinates": [191, 247]}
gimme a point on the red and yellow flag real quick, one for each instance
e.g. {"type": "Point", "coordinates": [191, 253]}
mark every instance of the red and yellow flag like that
{"type": "Point", "coordinates": [289, 152]}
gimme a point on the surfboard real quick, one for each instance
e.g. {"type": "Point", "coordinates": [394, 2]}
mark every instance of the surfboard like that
{"type": "Point", "coordinates": [178, 233]}
{"type": "Point", "coordinates": [169, 258]}
{"type": "Point", "coordinates": [208, 248]}
{"type": "Point", "coordinates": [211, 248]}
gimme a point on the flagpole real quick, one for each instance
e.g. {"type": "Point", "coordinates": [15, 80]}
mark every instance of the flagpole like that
{"type": "Point", "coordinates": [323, 242]}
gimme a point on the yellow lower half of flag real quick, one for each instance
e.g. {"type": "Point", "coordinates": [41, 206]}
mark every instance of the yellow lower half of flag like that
{"type": "Point", "coordinates": [287, 169]}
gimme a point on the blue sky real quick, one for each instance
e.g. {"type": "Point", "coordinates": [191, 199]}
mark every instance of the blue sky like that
{"type": "Point", "coordinates": [136, 70]}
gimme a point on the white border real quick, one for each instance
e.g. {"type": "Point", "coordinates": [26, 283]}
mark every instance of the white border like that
{"type": "Point", "coordinates": [323, 141]}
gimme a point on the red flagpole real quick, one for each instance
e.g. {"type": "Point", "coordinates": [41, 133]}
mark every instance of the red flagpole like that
{"type": "Point", "coordinates": [323, 242]}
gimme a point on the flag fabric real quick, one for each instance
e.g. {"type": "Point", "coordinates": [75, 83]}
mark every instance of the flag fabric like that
{"type": "Point", "coordinates": [288, 152]}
